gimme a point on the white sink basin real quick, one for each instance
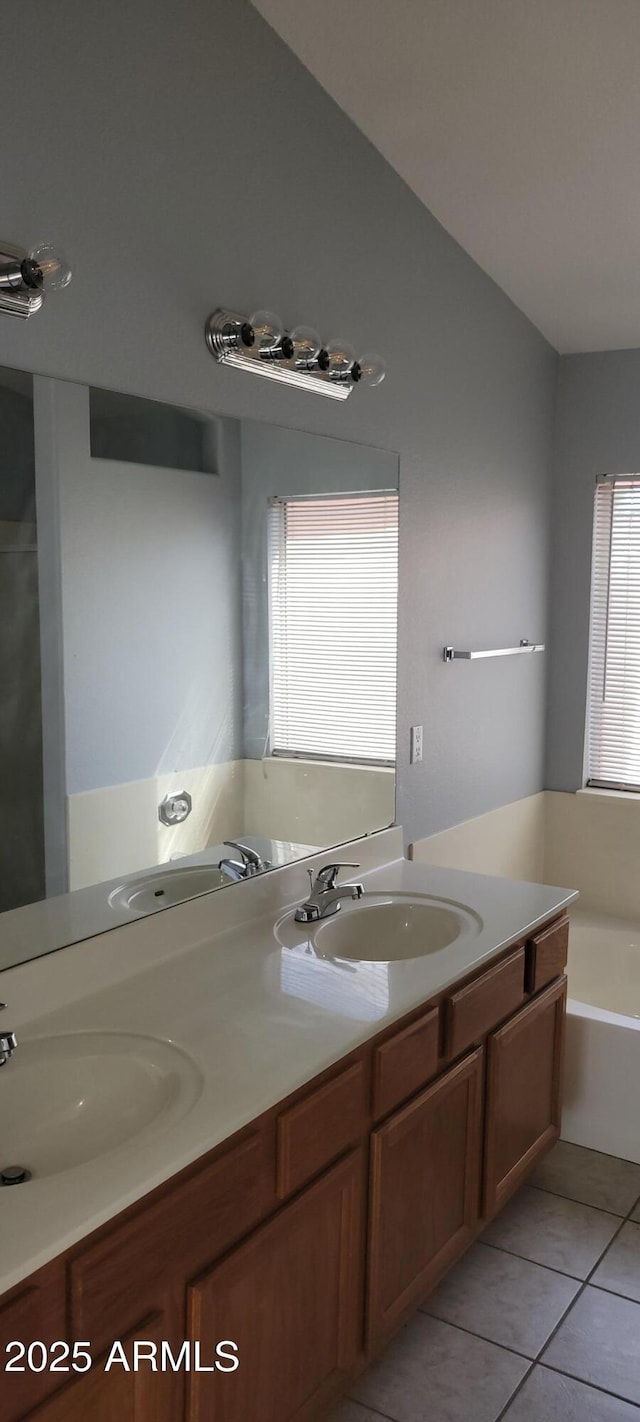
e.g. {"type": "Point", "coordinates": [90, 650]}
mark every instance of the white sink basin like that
{"type": "Point", "coordinates": [167, 887]}
{"type": "Point", "coordinates": [66, 1100]}
{"type": "Point", "coordinates": [383, 928]}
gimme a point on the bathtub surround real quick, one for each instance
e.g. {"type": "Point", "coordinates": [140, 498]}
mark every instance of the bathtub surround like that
{"type": "Point", "coordinates": [115, 830]}
{"type": "Point", "coordinates": [508, 841]}
{"type": "Point", "coordinates": [591, 840]}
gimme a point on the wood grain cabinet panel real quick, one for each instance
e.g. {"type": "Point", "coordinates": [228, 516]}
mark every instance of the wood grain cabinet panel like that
{"type": "Point", "coordinates": [290, 1299]}
{"type": "Point", "coordinates": [36, 1311]}
{"type": "Point", "coordinates": [320, 1127]}
{"type": "Point", "coordinates": [116, 1396]}
{"type": "Point", "coordinates": [405, 1062]}
{"type": "Point", "coordinates": [524, 1093]}
{"type": "Point", "coordinates": [547, 955]}
{"type": "Point", "coordinates": [424, 1193]}
{"type": "Point", "coordinates": [129, 1272]}
{"type": "Point", "coordinates": [473, 1010]}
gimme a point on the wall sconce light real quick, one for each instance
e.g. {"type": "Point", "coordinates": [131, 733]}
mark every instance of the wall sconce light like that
{"type": "Point", "coordinates": [26, 277]}
{"type": "Point", "coordinates": [260, 344]}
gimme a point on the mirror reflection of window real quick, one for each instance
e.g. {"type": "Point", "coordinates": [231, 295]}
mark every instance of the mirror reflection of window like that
{"type": "Point", "coordinates": [333, 589]}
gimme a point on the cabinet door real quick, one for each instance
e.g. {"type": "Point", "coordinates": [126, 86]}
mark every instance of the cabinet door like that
{"type": "Point", "coordinates": [290, 1299]}
{"type": "Point", "coordinates": [524, 1093]}
{"type": "Point", "coordinates": [424, 1194]}
{"type": "Point", "coordinates": [135, 1396]}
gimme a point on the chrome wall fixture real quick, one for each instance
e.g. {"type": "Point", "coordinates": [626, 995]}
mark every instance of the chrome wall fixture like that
{"type": "Point", "coordinates": [450, 655]}
{"type": "Point", "coordinates": [26, 277]}
{"type": "Point", "coordinates": [260, 344]}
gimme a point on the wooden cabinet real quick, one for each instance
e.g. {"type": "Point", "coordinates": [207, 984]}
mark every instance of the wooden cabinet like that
{"type": "Point", "coordinates": [135, 1396]}
{"type": "Point", "coordinates": [290, 1299]}
{"type": "Point", "coordinates": [474, 1009]}
{"type": "Point", "coordinates": [320, 1128]}
{"type": "Point", "coordinates": [280, 1242]}
{"type": "Point", "coordinates": [524, 1093]}
{"type": "Point", "coordinates": [405, 1062]}
{"type": "Point", "coordinates": [547, 954]}
{"type": "Point", "coordinates": [424, 1193]}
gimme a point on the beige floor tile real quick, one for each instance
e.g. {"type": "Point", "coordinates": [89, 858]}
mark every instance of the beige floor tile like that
{"type": "Point", "coordinates": [550, 1230]}
{"type": "Point", "coordinates": [599, 1342]}
{"type": "Point", "coordinates": [435, 1373]}
{"type": "Point", "coordinates": [588, 1176]}
{"type": "Point", "coordinates": [620, 1268]}
{"type": "Point", "coordinates": [505, 1299]}
{"type": "Point", "coordinates": [636, 1213]}
{"type": "Point", "coordinates": [551, 1397]}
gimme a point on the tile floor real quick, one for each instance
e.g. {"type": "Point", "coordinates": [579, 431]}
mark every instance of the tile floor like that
{"type": "Point", "coordinates": [540, 1322]}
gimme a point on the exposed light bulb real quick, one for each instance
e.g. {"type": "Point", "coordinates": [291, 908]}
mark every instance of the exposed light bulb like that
{"type": "Point", "coordinates": [369, 369]}
{"type": "Point", "coordinates": [307, 346]}
{"type": "Point", "coordinates": [271, 342]}
{"type": "Point", "coordinates": [341, 358]}
{"type": "Point", "coordinates": [48, 270]}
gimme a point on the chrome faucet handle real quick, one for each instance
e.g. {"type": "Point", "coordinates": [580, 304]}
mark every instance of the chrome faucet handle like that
{"type": "Point", "coordinates": [327, 876]}
{"type": "Point", "coordinates": [249, 855]}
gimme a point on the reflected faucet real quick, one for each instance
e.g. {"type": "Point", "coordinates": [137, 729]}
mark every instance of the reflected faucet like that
{"type": "Point", "coordinates": [8, 1042]}
{"type": "Point", "coordinates": [249, 863]}
{"type": "Point", "coordinates": [326, 893]}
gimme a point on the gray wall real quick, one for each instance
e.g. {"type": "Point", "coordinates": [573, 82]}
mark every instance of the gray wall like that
{"type": "Point", "coordinates": [281, 461]}
{"type": "Point", "coordinates": [151, 609]}
{"type": "Point", "coordinates": [597, 432]}
{"type": "Point", "coordinates": [190, 161]}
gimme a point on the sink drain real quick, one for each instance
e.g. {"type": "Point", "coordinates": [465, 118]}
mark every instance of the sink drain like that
{"type": "Point", "coordinates": [14, 1175]}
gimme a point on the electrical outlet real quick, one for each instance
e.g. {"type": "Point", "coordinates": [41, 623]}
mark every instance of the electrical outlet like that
{"type": "Point", "coordinates": [415, 753]}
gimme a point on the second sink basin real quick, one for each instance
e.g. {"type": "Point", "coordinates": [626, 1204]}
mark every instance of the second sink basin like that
{"type": "Point", "coordinates": [167, 887]}
{"type": "Point", "coordinates": [382, 931]}
{"type": "Point", "coordinates": [383, 928]}
{"type": "Point", "coordinates": [65, 1100]}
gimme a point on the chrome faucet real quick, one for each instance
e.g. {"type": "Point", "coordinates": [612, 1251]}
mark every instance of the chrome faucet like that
{"type": "Point", "coordinates": [326, 893]}
{"type": "Point", "coordinates": [249, 863]}
{"type": "Point", "coordinates": [8, 1042]}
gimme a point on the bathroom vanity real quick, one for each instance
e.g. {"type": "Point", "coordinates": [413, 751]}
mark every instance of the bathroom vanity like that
{"type": "Point", "coordinates": [310, 1233]}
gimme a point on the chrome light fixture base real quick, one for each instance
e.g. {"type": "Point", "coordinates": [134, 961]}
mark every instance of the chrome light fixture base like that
{"type": "Point", "coordinates": [26, 277]}
{"type": "Point", "coordinates": [229, 337]}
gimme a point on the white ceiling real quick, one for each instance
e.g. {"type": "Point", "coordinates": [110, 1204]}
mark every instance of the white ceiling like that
{"type": "Point", "coordinates": [517, 122]}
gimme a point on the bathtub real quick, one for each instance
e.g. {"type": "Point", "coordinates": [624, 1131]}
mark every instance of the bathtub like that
{"type": "Point", "coordinates": [602, 1075]}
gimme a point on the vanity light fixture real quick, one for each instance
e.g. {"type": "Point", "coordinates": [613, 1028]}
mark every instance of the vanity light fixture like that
{"type": "Point", "coordinates": [260, 344]}
{"type": "Point", "coordinates": [26, 277]}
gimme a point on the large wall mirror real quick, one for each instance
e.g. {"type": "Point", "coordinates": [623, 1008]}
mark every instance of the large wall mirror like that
{"type": "Point", "coordinates": [198, 646]}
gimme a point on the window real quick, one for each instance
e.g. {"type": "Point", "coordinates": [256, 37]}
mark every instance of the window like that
{"type": "Point", "coordinates": [333, 583]}
{"type": "Point", "coordinates": [613, 728]}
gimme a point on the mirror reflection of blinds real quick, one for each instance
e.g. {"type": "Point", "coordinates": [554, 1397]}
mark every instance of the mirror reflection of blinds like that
{"type": "Point", "coordinates": [613, 729]}
{"type": "Point", "coordinates": [333, 585]}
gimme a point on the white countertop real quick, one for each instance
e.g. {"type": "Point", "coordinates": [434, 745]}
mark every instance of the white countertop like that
{"type": "Point", "coordinates": [257, 1019]}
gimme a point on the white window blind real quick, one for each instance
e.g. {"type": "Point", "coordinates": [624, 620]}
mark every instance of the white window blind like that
{"type": "Point", "coordinates": [333, 585]}
{"type": "Point", "coordinates": [613, 730]}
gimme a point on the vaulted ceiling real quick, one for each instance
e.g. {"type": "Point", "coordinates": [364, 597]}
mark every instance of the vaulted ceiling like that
{"type": "Point", "coordinates": [517, 122]}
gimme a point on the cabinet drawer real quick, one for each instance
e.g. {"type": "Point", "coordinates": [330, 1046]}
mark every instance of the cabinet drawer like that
{"type": "Point", "coordinates": [475, 1009]}
{"type": "Point", "coordinates": [318, 1128]}
{"type": "Point", "coordinates": [125, 1276]}
{"type": "Point", "coordinates": [405, 1063]}
{"type": "Point", "coordinates": [547, 955]}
